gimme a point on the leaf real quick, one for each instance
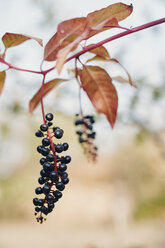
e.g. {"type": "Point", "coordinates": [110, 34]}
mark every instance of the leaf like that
{"type": "Point", "coordinates": [96, 58]}
{"type": "Point", "coordinates": [62, 54]}
{"type": "Point", "coordinates": [73, 71]}
{"type": "Point", "coordinates": [109, 16]}
{"type": "Point", "coordinates": [120, 79]}
{"type": "Point", "coordinates": [100, 51]}
{"type": "Point", "coordinates": [100, 90]}
{"type": "Point", "coordinates": [105, 25]}
{"type": "Point", "coordinates": [11, 39]}
{"type": "Point", "coordinates": [2, 80]}
{"type": "Point", "coordinates": [47, 88]}
{"type": "Point", "coordinates": [67, 32]}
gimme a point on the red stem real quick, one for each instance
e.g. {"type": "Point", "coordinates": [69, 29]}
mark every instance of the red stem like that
{"type": "Point", "coordinates": [18, 68]}
{"type": "Point", "coordinates": [117, 36]}
{"type": "Point", "coordinates": [44, 120]}
{"type": "Point", "coordinates": [42, 96]}
{"type": "Point", "coordinates": [76, 55]}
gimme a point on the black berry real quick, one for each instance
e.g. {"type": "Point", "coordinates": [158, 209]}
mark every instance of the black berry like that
{"type": "Point", "coordinates": [65, 174]}
{"type": "Point", "coordinates": [49, 198]}
{"type": "Point", "coordinates": [46, 189]}
{"type": "Point", "coordinates": [92, 135]}
{"type": "Point", "coordinates": [62, 167]}
{"type": "Point", "coordinates": [44, 210]}
{"type": "Point", "coordinates": [65, 146]}
{"type": "Point", "coordinates": [51, 205]}
{"type": "Point", "coordinates": [60, 186]}
{"type": "Point", "coordinates": [40, 202]}
{"type": "Point", "coordinates": [65, 180]}
{"type": "Point", "coordinates": [54, 176]}
{"type": "Point", "coordinates": [39, 134]}
{"type": "Point", "coordinates": [45, 151]}
{"type": "Point", "coordinates": [44, 127]}
{"type": "Point", "coordinates": [42, 161]}
{"type": "Point", "coordinates": [49, 117]}
{"type": "Point", "coordinates": [43, 173]}
{"type": "Point", "coordinates": [58, 133]}
{"type": "Point", "coordinates": [38, 190]}
{"type": "Point", "coordinates": [59, 148]}
{"type": "Point", "coordinates": [50, 124]}
{"type": "Point", "coordinates": [79, 132]}
{"type": "Point", "coordinates": [48, 166]}
{"type": "Point", "coordinates": [39, 149]}
{"type": "Point", "coordinates": [57, 194]}
{"type": "Point", "coordinates": [89, 126]}
{"type": "Point", "coordinates": [79, 122]}
{"type": "Point", "coordinates": [37, 209]}
{"type": "Point", "coordinates": [35, 201]}
{"type": "Point", "coordinates": [46, 142]}
{"type": "Point", "coordinates": [41, 180]}
{"type": "Point", "coordinates": [50, 157]}
{"type": "Point", "coordinates": [67, 159]}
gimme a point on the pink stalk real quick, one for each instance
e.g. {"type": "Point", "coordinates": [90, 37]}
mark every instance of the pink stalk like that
{"type": "Point", "coordinates": [86, 49]}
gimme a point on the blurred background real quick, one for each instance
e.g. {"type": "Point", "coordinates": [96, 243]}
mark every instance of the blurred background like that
{"type": "Point", "coordinates": [119, 202]}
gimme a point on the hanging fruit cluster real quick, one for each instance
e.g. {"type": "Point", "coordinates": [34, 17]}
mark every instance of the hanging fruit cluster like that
{"type": "Point", "coordinates": [53, 175]}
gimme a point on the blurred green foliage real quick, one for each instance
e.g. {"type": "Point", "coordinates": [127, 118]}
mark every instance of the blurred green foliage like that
{"type": "Point", "coordinates": [151, 207]}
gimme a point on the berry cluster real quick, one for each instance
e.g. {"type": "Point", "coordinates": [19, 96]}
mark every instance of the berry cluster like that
{"type": "Point", "coordinates": [53, 175]}
{"type": "Point", "coordinates": [86, 135]}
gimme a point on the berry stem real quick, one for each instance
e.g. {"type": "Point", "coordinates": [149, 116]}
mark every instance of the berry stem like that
{"type": "Point", "coordinates": [44, 120]}
{"type": "Point", "coordinates": [80, 101]}
{"type": "Point", "coordinates": [79, 84]}
{"type": "Point", "coordinates": [42, 96]}
{"type": "Point", "coordinates": [53, 150]}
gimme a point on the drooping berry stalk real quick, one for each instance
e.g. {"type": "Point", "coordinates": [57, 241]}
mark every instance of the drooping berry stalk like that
{"type": "Point", "coordinates": [86, 135]}
{"type": "Point", "coordinates": [53, 175]}
{"type": "Point", "coordinates": [42, 96]}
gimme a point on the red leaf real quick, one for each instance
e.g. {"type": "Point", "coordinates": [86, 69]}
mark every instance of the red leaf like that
{"type": "Point", "coordinates": [67, 32]}
{"type": "Point", "coordinates": [11, 39]}
{"type": "Point", "coordinates": [100, 90]}
{"type": "Point", "coordinates": [2, 80]}
{"type": "Point", "coordinates": [105, 25]}
{"type": "Point", "coordinates": [100, 51]}
{"type": "Point", "coordinates": [120, 79]}
{"type": "Point", "coordinates": [47, 88]}
{"type": "Point", "coordinates": [62, 54]}
{"type": "Point", "coordinates": [109, 16]}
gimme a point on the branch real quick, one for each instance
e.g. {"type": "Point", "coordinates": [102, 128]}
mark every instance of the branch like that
{"type": "Point", "coordinates": [18, 68]}
{"type": "Point", "coordinates": [86, 49]}
{"type": "Point", "coordinates": [117, 36]}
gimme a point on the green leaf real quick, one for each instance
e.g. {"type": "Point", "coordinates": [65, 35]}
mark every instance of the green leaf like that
{"type": "Point", "coordinates": [11, 39]}
{"type": "Point", "coordinates": [47, 88]}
